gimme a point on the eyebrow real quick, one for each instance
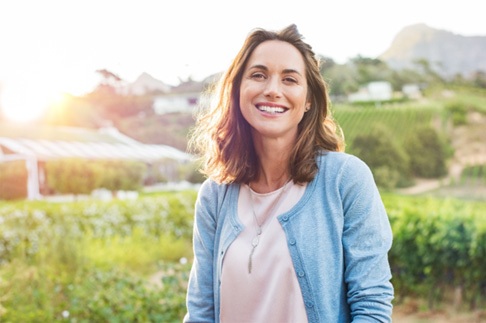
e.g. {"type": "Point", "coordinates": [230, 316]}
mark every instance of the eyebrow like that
{"type": "Point", "coordinates": [285, 71]}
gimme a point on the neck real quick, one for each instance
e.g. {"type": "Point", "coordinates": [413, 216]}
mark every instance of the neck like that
{"type": "Point", "coordinates": [274, 166]}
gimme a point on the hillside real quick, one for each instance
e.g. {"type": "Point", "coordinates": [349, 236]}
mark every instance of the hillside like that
{"type": "Point", "coordinates": [466, 140]}
{"type": "Point", "coordinates": [448, 53]}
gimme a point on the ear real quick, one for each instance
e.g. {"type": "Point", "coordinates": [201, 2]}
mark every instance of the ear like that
{"type": "Point", "coordinates": [307, 106]}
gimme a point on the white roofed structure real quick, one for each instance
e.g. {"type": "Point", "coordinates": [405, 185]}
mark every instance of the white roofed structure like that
{"type": "Point", "coordinates": [54, 149]}
{"type": "Point", "coordinates": [38, 145]}
{"type": "Point", "coordinates": [46, 143]}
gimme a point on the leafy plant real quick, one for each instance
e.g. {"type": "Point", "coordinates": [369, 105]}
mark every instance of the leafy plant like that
{"type": "Point", "coordinates": [77, 176]}
{"type": "Point", "coordinates": [427, 153]}
{"type": "Point", "coordinates": [388, 161]}
{"type": "Point", "coordinates": [91, 261]}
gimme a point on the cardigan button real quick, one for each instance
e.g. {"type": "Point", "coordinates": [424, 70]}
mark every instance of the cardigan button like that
{"type": "Point", "coordinates": [301, 274]}
{"type": "Point", "coordinates": [285, 218]}
{"type": "Point", "coordinates": [309, 304]}
{"type": "Point", "coordinates": [292, 241]}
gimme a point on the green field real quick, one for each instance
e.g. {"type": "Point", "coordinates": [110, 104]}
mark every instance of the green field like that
{"type": "Point", "coordinates": [401, 119]}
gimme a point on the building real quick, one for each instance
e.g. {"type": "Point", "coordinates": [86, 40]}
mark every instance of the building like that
{"type": "Point", "coordinates": [36, 145]}
{"type": "Point", "coordinates": [186, 97]}
{"type": "Point", "coordinates": [412, 91]}
{"type": "Point", "coordinates": [373, 91]}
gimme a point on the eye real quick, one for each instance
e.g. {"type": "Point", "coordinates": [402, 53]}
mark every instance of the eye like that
{"type": "Point", "coordinates": [258, 76]}
{"type": "Point", "coordinates": [289, 79]}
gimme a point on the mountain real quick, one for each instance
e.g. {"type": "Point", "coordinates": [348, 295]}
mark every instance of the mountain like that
{"type": "Point", "coordinates": [146, 83]}
{"type": "Point", "coordinates": [447, 53]}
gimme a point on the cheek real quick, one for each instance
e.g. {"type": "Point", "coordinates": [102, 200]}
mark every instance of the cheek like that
{"type": "Point", "coordinates": [246, 96]}
{"type": "Point", "coordinates": [244, 104]}
{"type": "Point", "coordinates": [243, 100]}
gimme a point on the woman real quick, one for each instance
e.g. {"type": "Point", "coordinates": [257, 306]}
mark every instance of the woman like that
{"type": "Point", "coordinates": [288, 228]}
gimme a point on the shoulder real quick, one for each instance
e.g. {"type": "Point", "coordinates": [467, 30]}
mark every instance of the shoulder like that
{"type": "Point", "coordinates": [340, 164]}
{"type": "Point", "coordinates": [210, 188]}
{"type": "Point", "coordinates": [344, 172]}
{"type": "Point", "coordinates": [211, 192]}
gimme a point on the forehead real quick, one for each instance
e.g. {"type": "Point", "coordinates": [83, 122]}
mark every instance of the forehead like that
{"type": "Point", "coordinates": [277, 54]}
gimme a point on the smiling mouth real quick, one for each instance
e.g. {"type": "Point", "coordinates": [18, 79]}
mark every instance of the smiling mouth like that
{"type": "Point", "coordinates": [271, 110]}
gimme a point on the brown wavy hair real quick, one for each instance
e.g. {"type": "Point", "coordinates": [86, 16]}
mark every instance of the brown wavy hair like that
{"type": "Point", "coordinates": [222, 137]}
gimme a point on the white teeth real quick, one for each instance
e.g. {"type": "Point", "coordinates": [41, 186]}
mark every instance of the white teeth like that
{"type": "Point", "coordinates": [271, 109]}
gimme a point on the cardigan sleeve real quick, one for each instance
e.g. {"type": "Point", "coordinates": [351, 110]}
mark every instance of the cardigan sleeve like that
{"type": "Point", "coordinates": [367, 238]}
{"type": "Point", "coordinates": [200, 294]}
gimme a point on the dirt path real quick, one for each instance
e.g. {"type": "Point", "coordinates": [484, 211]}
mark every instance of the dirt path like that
{"type": "Point", "coordinates": [407, 315]}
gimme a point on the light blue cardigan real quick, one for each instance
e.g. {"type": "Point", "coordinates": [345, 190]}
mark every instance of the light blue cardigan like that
{"type": "Point", "coordinates": [338, 235]}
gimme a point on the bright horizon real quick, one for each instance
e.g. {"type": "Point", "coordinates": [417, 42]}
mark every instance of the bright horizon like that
{"type": "Point", "coordinates": [54, 46]}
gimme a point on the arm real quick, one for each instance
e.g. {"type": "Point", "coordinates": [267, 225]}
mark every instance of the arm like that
{"type": "Point", "coordinates": [200, 294]}
{"type": "Point", "coordinates": [367, 238]}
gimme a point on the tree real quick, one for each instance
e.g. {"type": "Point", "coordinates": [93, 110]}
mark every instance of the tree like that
{"type": "Point", "coordinates": [386, 158]}
{"type": "Point", "coordinates": [426, 69]}
{"type": "Point", "coordinates": [109, 78]}
{"type": "Point", "coordinates": [370, 69]}
{"type": "Point", "coordinates": [341, 79]}
{"type": "Point", "coordinates": [479, 79]}
{"type": "Point", "coordinates": [427, 153]}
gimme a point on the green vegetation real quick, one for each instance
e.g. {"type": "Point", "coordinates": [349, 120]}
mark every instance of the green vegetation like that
{"type": "Point", "coordinates": [428, 153]}
{"type": "Point", "coordinates": [388, 161]}
{"type": "Point", "coordinates": [125, 261]}
{"type": "Point", "coordinates": [118, 261]}
{"type": "Point", "coordinates": [81, 177]}
{"type": "Point", "coordinates": [77, 176]}
{"type": "Point", "coordinates": [401, 119]}
{"type": "Point", "coordinates": [474, 175]}
{"type": "Point", "coordinates": [13, 180]}
{"type": "Point", "coordinates": [398, 142]}
{"type": "Point", "coordinates": [439, 247]}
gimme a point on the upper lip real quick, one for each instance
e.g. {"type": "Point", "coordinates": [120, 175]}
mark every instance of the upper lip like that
{"type": "Point", "coordinates": [270, 104]}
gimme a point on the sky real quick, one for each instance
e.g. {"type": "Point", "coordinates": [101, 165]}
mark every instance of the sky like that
{"type": "Point", "coordinates": [50, 47]}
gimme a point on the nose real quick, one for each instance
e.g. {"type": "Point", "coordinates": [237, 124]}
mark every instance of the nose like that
{"type": "Point", "coordinates": [272, 88]}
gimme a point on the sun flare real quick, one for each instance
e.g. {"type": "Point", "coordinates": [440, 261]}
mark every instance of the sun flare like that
{"type": "Point", "coordinates": [24, 104]}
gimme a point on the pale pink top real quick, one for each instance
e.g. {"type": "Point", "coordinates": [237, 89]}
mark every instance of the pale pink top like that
{"type": "Point", "coordinates": [271, 292]}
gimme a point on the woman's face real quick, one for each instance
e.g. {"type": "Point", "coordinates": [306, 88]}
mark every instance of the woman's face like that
{"type": "Point", "coordinates": [273, 92]}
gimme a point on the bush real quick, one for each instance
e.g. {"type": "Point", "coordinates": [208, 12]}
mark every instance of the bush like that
{"type": "Point", "coordinates": [102, 296]}
{"type": "Point", "coordinates": [78, 176]}
{"type": "Point", "coordinates": [28, 225]}
{"type": "Point", "coordinates": [387, 160]}
{"type": "Point", "coordinates": [117, 261]}
{"type": "Point", "coordinates": [73, 176]}
{"type": "Point", "coordinates": [458, 113]}
{"type": "Point", "coordinates": [122, 175]}
{"type": "Point", "coordinates": [94, 295]}
{"type": "Point", "coordinates": [439, 246]}
{"type": "Point", "coordinates": [427, 153]}
{"type": "Point", "coordinates": [155, 173]}
{"type": "Point", "coordinates": [94, 261]}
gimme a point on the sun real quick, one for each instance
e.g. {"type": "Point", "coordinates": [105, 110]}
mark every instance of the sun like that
{"type": "Point", "coordinates": [23, 103]}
